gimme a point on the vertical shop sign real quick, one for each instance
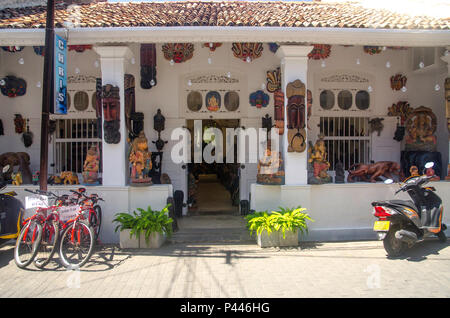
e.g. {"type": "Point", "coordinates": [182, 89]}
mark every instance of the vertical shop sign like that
{"type": "Point", "coordinates": [60, 75]}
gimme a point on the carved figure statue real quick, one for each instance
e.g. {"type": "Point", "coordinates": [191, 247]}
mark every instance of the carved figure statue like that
{"type": "Point", "coordinates": [17, 178]}
{"type": "Point", "coordinates": [420, 128]}
{"type": "Point", "coordinates": [414, 171]}
{"type": "Point", "coordinates": [340, 173]}
{"type": "Point", "coordinates": [319, 162]}
{"type": "Point", "coordinates": [140, 160]}
{"type": "Point", "coordinates": [375, 170]}
{"type": "Point", "coordinates": [91, 166]}
{"type": "Point", "coordinates": [69, 177]}
{"type": "Point", "coordinates": [270, 167]}
{"type": "Point", "coordinates": [21, 159]}
{"type": "Point", "coordinates": [111, 113]}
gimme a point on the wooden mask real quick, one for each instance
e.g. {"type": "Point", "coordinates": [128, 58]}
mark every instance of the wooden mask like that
{"type": "Point", "coordinates": [111, 113]}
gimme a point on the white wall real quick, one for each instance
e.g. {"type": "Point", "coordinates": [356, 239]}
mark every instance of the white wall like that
{"type": "Point", "coordinates": [340, 212]}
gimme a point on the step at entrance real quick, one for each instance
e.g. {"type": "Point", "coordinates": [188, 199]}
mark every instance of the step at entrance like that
{"type": "Point", "coordinates": [212, 229]}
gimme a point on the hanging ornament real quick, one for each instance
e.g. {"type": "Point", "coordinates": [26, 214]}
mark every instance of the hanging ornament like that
{"type": "Point", "coordinates": [39, 50]}
{"type": "Point", "coordinates": [398, 81]}
{"type": "Point", "coordinates": [248, 59]}
{"type": "Point", "coordinates": [148, 65]}
{"type": "Point", "coordinates": [437, 87]}
{"type": "Point", "coordinates": [358, 62]}
{"type": "Point", "coordinates": [372, 50]}
{"type": "Point", "coordinates": [273, 80]}
{"type": "Point", "coordinates": [133, 61]}
{"type": "Point", "coordinates": [259, 99]}
{"type": "Point", "coordinates": [190, 83]}
{"type": "Point", "coordinates": [178, 52]}
{"type": "Point", "coordinates": [404, 89]}
{"type": "Point", "coordinates": [247, 50]}
{"type": "Point", "coordinates": [96, 64]}
{"type": "Point", "coordinates": [12, 86]}
{"type": "Point", "coordinates": [388, 64]}
{"type": "Point", "coordinates": [80, 48]}
{"type": "Point", "coordinates": [209, 60]}
{"type": "Point", "coordinates": [421, 65]}
{"type": "Point", "coordinates": [263, 86]}
{"type": "Point", "coordinates": [320, 51]}
{"type": "Point", "coordinates": [323, 64]}
{"type": "Point", "coordinates": [369, 89]}
{"type": "Point", "coordinates": [273, 47]}
{"type": "Point", "coordinates": [212, 46]}
{"type": "Point", "coordinates": [21, 61]}
{"type": "Point", "coordinates": [228, 74]}
{"type": "Point", "coordinates": [38, 84]}
{"type": "Point", "coordinates": [77, 70]}
{"type": "Point", "coordinates": [13, 49]}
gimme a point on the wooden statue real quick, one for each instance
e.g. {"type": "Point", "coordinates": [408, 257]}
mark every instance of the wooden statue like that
{"type": "Point", "coordinates": [140, 160]}
{"type": "Point", "coordinates": [319, 162]}
{"type": "Point", "coordinates": [374, 170]}
{"type": "Point", "coordinates": [68, 177]}
{"type": "Point", "coordinates": [270, 167]}
{"type": "Point", "coordinates": [420, 128]}
{"type": "Point", "coordinates": [17, 178]}
{"type": "Point", "coordinates": [91, 166]}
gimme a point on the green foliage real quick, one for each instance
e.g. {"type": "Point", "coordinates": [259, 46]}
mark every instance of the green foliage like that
{"type": "Point", "coordinates": [146, 221]}
{"type": "Point", "coordinates": [282, 220]}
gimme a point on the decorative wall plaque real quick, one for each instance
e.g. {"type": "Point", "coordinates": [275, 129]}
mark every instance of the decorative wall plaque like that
{"type": "Point", "coordinates": [259, 99]}
{"type": "Point", "coordinates": [247, 51]}
{"type": "Point", "coordinates": [320, 51]}
{"type": "Point", "coordinates": [148, 65]}
{"type": "Point", "coordinates": [178, 52]}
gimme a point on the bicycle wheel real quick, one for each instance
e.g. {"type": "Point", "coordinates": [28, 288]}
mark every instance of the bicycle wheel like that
{"type": "Point", "coordinates": [76, 244]}
{"type": "Point", "coordinates": [27, 244]}
{"type": "Point", "coordinates": [95, 219]}
{"type": "Point", "coordinates": [48, 245]}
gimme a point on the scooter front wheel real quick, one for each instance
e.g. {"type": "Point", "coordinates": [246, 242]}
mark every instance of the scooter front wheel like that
{"type": "Point", "coordinates": [393, 246]}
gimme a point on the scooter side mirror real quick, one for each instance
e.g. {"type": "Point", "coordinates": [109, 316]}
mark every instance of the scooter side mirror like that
{"type": "Point", "coordinates": [388, 181]}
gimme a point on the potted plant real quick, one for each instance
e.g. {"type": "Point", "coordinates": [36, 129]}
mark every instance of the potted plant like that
{"type": "Point", "coordinates": [278, 228]}
{"type": "Point", "coordinates": [127, 223]}
{"type": "Point", "coordinates": [150, 228]}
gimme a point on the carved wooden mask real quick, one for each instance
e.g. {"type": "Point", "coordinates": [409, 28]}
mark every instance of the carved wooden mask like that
{"type": "Point", "coordinates": [111, 113]}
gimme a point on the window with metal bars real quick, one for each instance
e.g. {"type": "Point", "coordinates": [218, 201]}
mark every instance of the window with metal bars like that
{"type": "Point", "coordinates": [347, 140]}
{"type": "Point", "coordinates": [73, 138]}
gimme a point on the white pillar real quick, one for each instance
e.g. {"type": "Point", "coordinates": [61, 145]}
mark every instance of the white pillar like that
{"type": "Point", "coordinates": [294, 65]}
{"type": "Point", "coordinates": [446, 58]}
{"type": "Point", "coordinates": [115, 165]}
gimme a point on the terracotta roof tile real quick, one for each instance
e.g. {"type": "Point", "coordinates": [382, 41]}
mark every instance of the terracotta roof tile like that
{"type": "Point", "coordinates": [223, 13]}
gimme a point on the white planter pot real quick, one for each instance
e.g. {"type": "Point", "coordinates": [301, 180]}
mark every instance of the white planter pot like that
{"type": "Point", "coordinates": [156, 240]}
{"type": "Point", "coordinates": [275, 239]}
{"type": "Point", "coordinates": [126, 241]}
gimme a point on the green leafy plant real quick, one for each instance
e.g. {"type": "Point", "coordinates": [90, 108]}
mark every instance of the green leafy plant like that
{"type": "Point", "coordinates": [283, 220]}
{"type": "Point", "coordinates": [146, 221]}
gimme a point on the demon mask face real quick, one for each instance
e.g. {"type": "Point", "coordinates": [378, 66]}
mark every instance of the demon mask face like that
{"type": "Point", "coordinates": [111, 113]}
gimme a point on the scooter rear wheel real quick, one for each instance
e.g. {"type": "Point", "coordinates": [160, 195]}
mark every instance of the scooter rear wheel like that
{"type": "Point", "coordinates": [442, 237]}
{"type": "Point", "coordinates": [393, 246]}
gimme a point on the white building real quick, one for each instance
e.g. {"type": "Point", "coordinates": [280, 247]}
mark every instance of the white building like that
{"type": "Point", "coordinates": [414, 46]}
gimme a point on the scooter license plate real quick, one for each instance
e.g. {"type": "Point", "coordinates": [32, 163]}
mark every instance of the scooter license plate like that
{"type": "Point", "coordinates": [381, 226]}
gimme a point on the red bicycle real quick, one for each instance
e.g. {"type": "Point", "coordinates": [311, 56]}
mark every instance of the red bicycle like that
{"type": "Point", "coordinates": [90, 204]}
{"type": "Point", "coordinates": [39, 235]}
{"type": "Point", "coordinates": [77, 240]}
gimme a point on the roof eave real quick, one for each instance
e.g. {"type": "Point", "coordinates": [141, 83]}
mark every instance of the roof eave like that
{"type": "Point", "coordinates": [345, 36]}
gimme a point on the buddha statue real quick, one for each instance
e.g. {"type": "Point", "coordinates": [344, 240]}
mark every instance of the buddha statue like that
{"type": "Point", "coordinates": [140, 160]}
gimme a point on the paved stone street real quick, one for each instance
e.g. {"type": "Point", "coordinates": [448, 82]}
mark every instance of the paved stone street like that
{"type": "Point", "coordinates": [348, 269]}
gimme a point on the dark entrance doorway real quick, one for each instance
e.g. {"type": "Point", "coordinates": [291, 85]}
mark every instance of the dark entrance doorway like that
{"type": "Point", "coordinates": [213, 188]}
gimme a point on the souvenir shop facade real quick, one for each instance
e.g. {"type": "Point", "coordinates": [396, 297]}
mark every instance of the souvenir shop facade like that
{"type": "Point", "coordinates": [365, 97]}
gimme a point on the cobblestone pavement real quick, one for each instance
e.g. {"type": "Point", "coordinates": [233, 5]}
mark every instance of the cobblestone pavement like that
{"type": "Point", "coordinates": [345, 269]}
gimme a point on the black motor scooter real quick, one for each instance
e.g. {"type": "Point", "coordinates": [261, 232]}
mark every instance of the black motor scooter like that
{"type": "Point", "coordinates": [402, 223]}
